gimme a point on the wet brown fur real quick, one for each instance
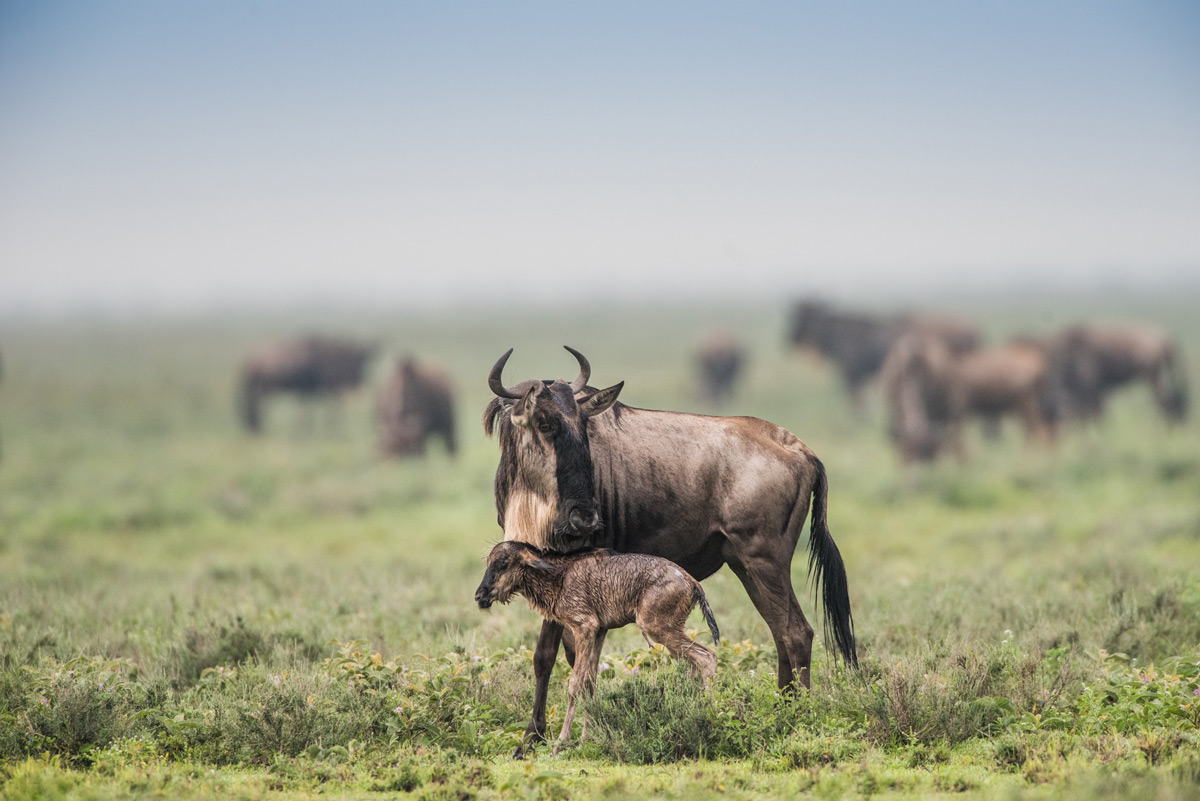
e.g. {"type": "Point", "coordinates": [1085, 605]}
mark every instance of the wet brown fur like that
{"type": "Point", "coordinates": [590, 592]}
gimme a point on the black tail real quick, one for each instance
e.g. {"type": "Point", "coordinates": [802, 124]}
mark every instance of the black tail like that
{"type": "Point", "coordinates": [827, 572]}
{"type": "Point", "coordinates": [699, 598]}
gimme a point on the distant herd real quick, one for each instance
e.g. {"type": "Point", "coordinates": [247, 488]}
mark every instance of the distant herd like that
{"type": "Point", "coordinates": [935, 373]}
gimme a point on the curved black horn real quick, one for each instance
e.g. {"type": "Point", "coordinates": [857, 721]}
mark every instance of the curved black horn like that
{"type": "Point", "coordinates": [496, 385]}
{"type": "Point", "coordinates": [585, 370]}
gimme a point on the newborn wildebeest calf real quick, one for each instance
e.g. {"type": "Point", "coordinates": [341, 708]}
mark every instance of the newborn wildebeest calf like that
{"type": "Point", "coordinates": [592, 591]}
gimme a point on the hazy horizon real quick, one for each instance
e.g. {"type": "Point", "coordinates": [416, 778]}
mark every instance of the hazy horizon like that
{"type": "Point", "coordinates": [233, 155]}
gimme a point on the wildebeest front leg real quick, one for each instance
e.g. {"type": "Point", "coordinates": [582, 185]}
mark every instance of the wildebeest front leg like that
{"type": "Point", "coordinates": [544, 655]}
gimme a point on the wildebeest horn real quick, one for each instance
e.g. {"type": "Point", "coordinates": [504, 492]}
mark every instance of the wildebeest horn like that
{"type": "Point", "coordinates": [585, 370]}
{"type": "Point", "coordinates": [497, 386]}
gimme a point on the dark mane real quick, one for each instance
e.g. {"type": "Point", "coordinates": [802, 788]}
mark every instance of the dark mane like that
{"type": "Point", "coordinates": [492, 414]}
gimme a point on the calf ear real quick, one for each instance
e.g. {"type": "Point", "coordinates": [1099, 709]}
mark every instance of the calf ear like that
{"type": "Point", "coordinates": [541, 564]}
{"type": "Point", "coordinates": [601, 401]}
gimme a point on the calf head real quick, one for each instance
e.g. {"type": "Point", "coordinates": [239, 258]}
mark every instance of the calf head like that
{"type": "Point", "coordinates": [506, 566]}
{"type": "Point", "coordinates": [545, 489]}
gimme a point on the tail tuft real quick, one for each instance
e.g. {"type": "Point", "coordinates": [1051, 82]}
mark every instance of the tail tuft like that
{"type": "Point", "coordinates": [827, 572]}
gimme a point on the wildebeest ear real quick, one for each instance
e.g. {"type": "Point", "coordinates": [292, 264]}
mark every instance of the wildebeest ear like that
{"type": "Point", "coordinates": [521, 409]}
{"type": "Point", "coordinates": [601, 401]}
{"type": "Point", "coordinates": [540, 564]}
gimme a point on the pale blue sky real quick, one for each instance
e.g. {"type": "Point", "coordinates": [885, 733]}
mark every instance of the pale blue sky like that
{"type": "Point", "coordinates": [199, 154]}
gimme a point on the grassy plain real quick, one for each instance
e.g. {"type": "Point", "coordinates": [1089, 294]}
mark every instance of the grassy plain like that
{"type": "Point", "coordinates": [186, 611]}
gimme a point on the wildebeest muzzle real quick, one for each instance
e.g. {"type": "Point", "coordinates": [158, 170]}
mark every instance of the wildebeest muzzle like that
{"type": "Point", "coordinates": [484, 592]}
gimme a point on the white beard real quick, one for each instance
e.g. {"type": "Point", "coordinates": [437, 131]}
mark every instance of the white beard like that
{"type": "Point", "coordinates": [529, 518]}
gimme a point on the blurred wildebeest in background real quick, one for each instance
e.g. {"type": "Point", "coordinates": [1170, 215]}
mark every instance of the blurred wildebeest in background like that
{"type": "Point", "coordinates": [858, 343]}
{"type": "Point", "coordinates": [720, 360]}
{"type": "Point", "coordinates": [1090, 361]}
{"type": "Point", "coordinates": [416, 402]}
{"type": "Point", "coordinates": [578, 469]}
{"type": "Point", "coordinates": [931, 391]}
{"type": "Point", "coordinates": [310, 367]}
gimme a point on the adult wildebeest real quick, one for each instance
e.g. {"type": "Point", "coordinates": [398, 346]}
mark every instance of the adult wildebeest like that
{"type": "Point", "coordinates": [579, 469]}
{"type": "Point", "coordinates": [930, 391]}
{"type": "Point", "coordinates": [589, 592]}
{"type": "Point", "coordinates": [858, 343]}
{"type": "Point", "coordinates": [720, 361]}
{"type": "Point", "coordinates": [1090, 361]}
{"type": "Point", "coordinates": [312, 367]}
{"type": "Point", "coordinates": [417, 402]}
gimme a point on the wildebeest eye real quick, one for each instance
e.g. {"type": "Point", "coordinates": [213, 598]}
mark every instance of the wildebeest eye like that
{"type": "Point", "coordinates": [545, 427]}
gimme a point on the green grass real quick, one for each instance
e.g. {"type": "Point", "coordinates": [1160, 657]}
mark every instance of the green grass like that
{"type": "Point", "coordinates": [189, 612]}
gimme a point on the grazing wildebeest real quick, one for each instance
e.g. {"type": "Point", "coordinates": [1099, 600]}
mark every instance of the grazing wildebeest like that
{"type": "Point", "coordinates": [930, 391]}
{"type": "Point", "coordinates": [922, 407]}
{"type": "Point", "coordinates": [720, 360]}
{"type": "Point", "coordinates": [579, 469]}
{"type": "Point", "coordinates": [589, 592]}
{"type": "Point", "coordinates": [1089, 361]}
{"type": "Point", "coordinates": [311, 367]}
{"type": "Point", "coordinates": [417, 402]}
{"type": "Point", "coordinates": [858, 343]}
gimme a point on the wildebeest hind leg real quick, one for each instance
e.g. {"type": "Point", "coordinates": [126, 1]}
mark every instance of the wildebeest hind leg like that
{"type": "Point", "coordinates": [768, 582]}
{"type": "Point", "coordinates": [544, 656]}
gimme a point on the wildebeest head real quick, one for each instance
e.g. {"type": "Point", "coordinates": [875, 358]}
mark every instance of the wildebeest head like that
{"type": "Point", "coordinates": [505, 566]}
{"type": "Point", "coordinates": [545, 490]}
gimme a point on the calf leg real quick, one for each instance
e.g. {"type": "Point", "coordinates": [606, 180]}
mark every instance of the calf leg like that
{"type": "Point", "coordinates": [583, 677]}
{"type": "Point", "coordinates": [544, 656]}
{"type": "Point", "coordinates": [681, 646]}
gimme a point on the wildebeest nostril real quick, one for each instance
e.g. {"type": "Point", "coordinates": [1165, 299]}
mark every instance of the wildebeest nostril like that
{"type": "Point", "coordinates": [584, 522]}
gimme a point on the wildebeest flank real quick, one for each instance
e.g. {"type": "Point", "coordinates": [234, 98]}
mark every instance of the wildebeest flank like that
{"type": "Point", "coordinates": [417, 402]}
{"type": "Point", "coordinates": [579, 469]}
{"type": "Point", "coordinates": [309, 367]}
{"type": "Point", "coordinates": [590, 592]}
